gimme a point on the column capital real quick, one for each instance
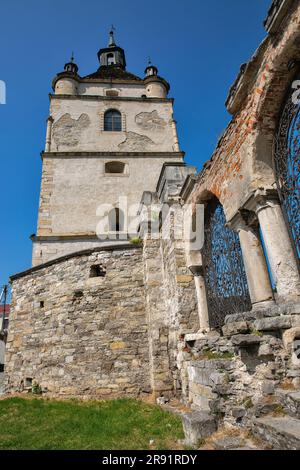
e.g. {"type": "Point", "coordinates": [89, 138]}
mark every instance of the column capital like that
{"type": "Point", "coordinates": [261, 199]}
{"type": "Point", "coordinates": [244, 219]}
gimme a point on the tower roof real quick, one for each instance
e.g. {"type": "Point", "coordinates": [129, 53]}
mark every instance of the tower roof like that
{"type": "Point", "coordinates": [117, 73]}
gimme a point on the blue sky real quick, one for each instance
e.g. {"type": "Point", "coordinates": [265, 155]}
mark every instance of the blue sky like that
{"type": "Point", "coordinates": [198, 46]}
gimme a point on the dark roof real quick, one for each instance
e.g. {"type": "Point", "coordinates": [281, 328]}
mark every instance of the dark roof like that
{"type": "Point", "coordinates": [111, 72]}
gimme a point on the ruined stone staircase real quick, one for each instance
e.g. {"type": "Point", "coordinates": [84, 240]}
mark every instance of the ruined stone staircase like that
{"type": "Point", "coordinates": [245, 377]}
{"type": "Point", "coordinates": [281, 432]}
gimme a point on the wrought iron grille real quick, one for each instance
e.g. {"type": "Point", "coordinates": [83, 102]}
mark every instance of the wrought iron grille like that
{"type": "Point", "coordinates": [224, 272]}
{"type": "Point", "coordinates": [287, 166]}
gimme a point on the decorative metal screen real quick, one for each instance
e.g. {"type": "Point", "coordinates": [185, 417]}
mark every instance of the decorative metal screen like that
{"type": "Point", "coordinates": [224, 272]}
{"type": "Point", "coordinates": [287, 166]}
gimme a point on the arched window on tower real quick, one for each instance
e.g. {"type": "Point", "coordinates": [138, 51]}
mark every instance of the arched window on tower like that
{"type": "Point", "coordinates": [112, 120]}
{"type": "Point", "coordinates": [110, 59]}
{"type": "Point", "coordinates": [116, 220]}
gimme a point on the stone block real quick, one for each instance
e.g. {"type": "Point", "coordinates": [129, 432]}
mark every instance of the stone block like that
{"type": "Point", "coordinates": [245, 340]}
{"type": "Point", "coordinates": [289, 337]}
{"type": "Point", "coordinates": [273, 324]}
{"type": "Point", "coordinates": [198, 425]}
{"type": "Point", "coordinates": [184, 278]}
{"type": "Point", "coordinates": [235, 328]}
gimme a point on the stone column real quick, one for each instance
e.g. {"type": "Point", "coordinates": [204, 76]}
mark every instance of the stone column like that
{"type": "Point", "coordinates": [175, 135]}
{"type": "Point", "coordinates": [278, 246]}
{"type": "Point", "coordinates": [48, 134]}
{"type": "Point", "coordinates": [202, 303]}
{"type": "Point", "coordinates": [259, 285]}
{"type": "Point", "coordinates": [194, 260]}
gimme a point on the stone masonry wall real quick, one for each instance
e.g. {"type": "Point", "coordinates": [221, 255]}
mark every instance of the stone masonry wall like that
{"type": "Point", "coordinates": [79, 335]}
{"type": "Point", "coordinates": [245, 370]}
{"type": "Point", "coordinates": [171, 303]}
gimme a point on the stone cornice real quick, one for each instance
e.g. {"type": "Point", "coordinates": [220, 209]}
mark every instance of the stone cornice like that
{"type": "Point", "coordinates": [188, 187]}
{"type": "Point", "coordinates": [278, 10]}
{"type": "Point", "coordinates": [74, 154]}
{"type": "Point", "coordinates": [245, 80]}
{"type": "Point", "coordinates": [110, 98]}
{"type": "Point", "coordinates": [87, 252]}
{"type": "Point", "coordinates": [72, 237]}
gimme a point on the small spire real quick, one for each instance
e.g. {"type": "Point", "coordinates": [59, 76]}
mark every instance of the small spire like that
{"type": "Point", "coordinates": [111, 37]}
{"type": "Point", "coordinates": [150, 69]}
{"type": "Point", "coordinates": [71, 66]}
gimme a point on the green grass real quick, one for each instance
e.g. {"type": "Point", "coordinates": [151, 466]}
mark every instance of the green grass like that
{"type": "Point", "coordinates": [217, 355]}
{"type": "Point", "coordinates": [105, 425]}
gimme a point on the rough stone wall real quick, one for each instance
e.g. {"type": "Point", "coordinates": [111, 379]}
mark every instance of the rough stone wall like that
{"type": "Point", "coordinates": [171, 303]}
{"type": "Point", "coordinates": [242, 161]}
{"type": "Point", "coordinates": [76, 335]}
{"type": "Point", "coordinates": [157, 315]}
{"type": "Point", "coordinates": [180, 291]}
{"type": "Point", "coordinates": [241, 375]}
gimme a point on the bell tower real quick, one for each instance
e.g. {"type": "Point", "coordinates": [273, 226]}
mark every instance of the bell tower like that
{"type": "Point", "coordinates": [109, 133]}
{"type": "Point", "coordinates": [112, 55]}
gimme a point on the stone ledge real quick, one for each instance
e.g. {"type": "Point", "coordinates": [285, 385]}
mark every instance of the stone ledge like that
{"type": "Point", "coordinates": [274, 311]}
{"type": "Point", "coordinates": [194, 337]}
{"type": "Point", "coordinates": [109, 98]}
{"type": "Point", "coordinates": [283, 322]}
{"type": "Point", "coordinates": [76, 154]}
{"type": "Point", "coordinates": [245, 340]}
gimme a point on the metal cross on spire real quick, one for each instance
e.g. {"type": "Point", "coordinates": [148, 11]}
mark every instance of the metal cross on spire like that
{"type": "Point", "coordinates": [111, 36]}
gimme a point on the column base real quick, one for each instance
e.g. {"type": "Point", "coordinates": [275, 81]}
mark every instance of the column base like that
{"type": "Point", "coordinates": [263, 305]}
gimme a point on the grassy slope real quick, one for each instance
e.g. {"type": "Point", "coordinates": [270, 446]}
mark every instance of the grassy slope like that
{"type": "Point", "coordinates": [108, 425]}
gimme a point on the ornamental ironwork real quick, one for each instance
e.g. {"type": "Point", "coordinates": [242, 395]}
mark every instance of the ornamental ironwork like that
{"type": "Point", "coordinates": [223, 268]}
{"type": "Point", "coordinates": [287, 165]}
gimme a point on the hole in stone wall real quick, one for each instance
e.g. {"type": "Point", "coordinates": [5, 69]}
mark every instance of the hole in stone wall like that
{"type": "Point", "coordinates": [42, 304]}
{"type": "Point", "coordinates": [97, 270]}
{"type": "Point", "coordinates": [78, 293]}
{"type": "Point", "coordinates": [28, 382]}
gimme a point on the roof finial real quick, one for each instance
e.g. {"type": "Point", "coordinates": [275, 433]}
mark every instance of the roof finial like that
{"type": "Point", "coordinates": [72, 57]}
{"type": "Point", "coordinates": [111, 37]}
{"type": "Point", "coordinates": [149, 60]}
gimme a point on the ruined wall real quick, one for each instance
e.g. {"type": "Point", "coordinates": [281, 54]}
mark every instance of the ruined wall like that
{"type": "Point", "coordinates": [170, 301]}
{"type": "Point", "coordinates": [76, 335]}
{"type": "Point", "coordinates": [242, 161]}
{"type": "Point", "coordinates": [246, 372]}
